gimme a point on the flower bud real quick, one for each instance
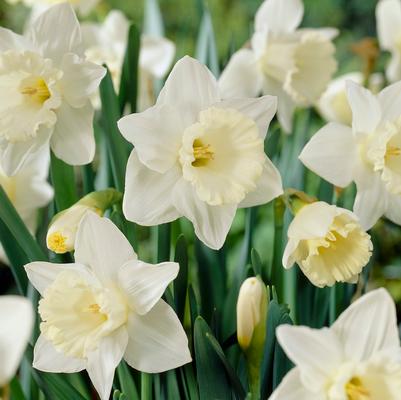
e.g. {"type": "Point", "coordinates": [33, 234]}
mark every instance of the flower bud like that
{"type": "Point", "coordinates": [63, 227]}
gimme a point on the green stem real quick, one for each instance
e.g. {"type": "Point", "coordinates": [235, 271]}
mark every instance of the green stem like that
{"type": "Point", "coordinates": [278, 272]}
{"type": "Point", "coordinates": [146, 386]}
{"type": "Point", "coordinates": [163, 242]}
{"type": "Point", "coordinates": [333, 304]}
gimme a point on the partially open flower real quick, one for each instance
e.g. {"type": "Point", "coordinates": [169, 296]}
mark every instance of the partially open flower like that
{"type": "Point", "coordinates": [328, 244]}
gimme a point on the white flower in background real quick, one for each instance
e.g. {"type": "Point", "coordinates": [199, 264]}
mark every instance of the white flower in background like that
{"type": "Point", "coordinates": [328, 244]}
{"type": "Point", "coordinates": [198, 156]}
{"type": "Point", "coordinates": [388, 20]}
{"type": "Point", "coordinates": [106, 44]}
{"type": "Point", "coordinates": [369, 153]}
{"type": "Point", "coordinates": [357, 358]}
{"type": "Point", "coordinates": [293, 64]}
{"type": "Point", "coordinates": [17, 317]}
{"type": "Point", "coordinates": [28, 190]}
{"type": "Point", "coordinates": [114, 309]}
{"type": "Point", "coordinates": [45, 89]}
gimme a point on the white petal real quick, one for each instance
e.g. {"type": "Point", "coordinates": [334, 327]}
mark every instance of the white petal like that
{"type": "Point", "coordinates": [291, 388]}
{"type": "Point", "coordinates": [46, 358]}
{"type": "Point", "coordinates": [393, 212]}
{"type": "Point", "coordinates": [148, 194]}
{"type": "Point", "coordinates": [17, 317]}
{"type": "Point", "coordinates": [156, 134]}
{"type": "Point", "coordinates": [80, 79]}
{"type": "Point", "coordinates": [241, 77]}
{"type": "Point", "coordinates": [103, 361]}
{"type": "Point", "coordinates": [366, 112]}
{"type": "Point", "coordinates": [73, 140]}
{"type": "Point", "coordinates": [289, 253]}
{"type": "Point", "coordinates": [390, 102]}
{"type": "Point", "coordinates": [144, 283]}
{"type": "Point", "coordinates": [279, 15]}
{"type": "Point", "coordinates": [261, 110]}
{"type": "Point", "coordinates": [332, 154]}
{"type": "Point", "coordinates": [268, 187]}
{"type": "Point", "coordinates": [157, 341]}
{"type": "Point", "coordinates": [156, 55]}
{"type": "Point", "coordinates": [101, 246]}
{"type": "Point", "coordinates": [190, 88]}
{"type": "Point", "coordinates": [368, 326]}
{"type": "Point", "coordinates": [388, 20]}
{"type": "Point", "coordinates": [211, 223]}
{"type": "Point", "coordinates": [316, 352]}
{"type": "Point", "coordinates": [393, 69]}
{"type": "Point", "coordinates": [50, 39]}
{"type": "Point", "coordinates": [12, 41]}
{"type": "Point", "coordinates": [42, 274]}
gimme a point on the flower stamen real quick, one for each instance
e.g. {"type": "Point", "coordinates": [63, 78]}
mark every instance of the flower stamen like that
{"type": "Point", "coordinates": [37, 90]}
{"type": "Point", "coordinates": [355, 390]}
{"type": "Point", "coordinates": [392, 151]}
{"type": "Point", "coordinates": [57, 242]}
{"type": "Point", "coordinates": [202, 153]}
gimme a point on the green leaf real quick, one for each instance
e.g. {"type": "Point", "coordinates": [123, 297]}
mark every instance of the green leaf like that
{"type": "Point", "coordinates": [189, 382]}
{"type": "Point", "coordinates": [127, 382]}
{"type": "Point", "coordinates": [256, 263]}
{"type": "Point", "coordinates": [16, 390]}
{"type": "Point", "coordinates": [212, 379]}
{"type": "Point", "coordinates": [153, 19]}
{"type": "Point", "coordinates": [181, 282]}
{"type": "Point", "coordinates": [146, 386]}
{"type": "Point", "coordinates": [173, 391]}
{"type": "Point", "coordinates": [63, 180]}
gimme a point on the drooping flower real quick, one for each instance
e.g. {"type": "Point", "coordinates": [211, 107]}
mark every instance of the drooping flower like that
{"type": "Point", "coordinates": [357, 358]}
{"type": "Point", "coordinates": [198, 156]}
{"type": "Point", "coordinates": [328, 244]}
{"type": "Point", "coordinates": [16, 316]}
{"type": "Point", "coordinates": [388, 20]}
{"type": "Point", "coordinates": [28, 190]}
{"type": "Point", "coordinates": [114, 309]}
{"type": "Point", "coordinates": [45, 89]}
{"type": "Point", "coordinates": [369, 153]}
{"type": "Point", "coordinates": [106, 44]}
{"type": "Point", "coordinates": [293, 64]}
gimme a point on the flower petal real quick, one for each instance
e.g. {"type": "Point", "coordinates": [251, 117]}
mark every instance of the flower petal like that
{"type": "Point", "coordinates": [101, 246]}
{"type": "Point", "coordinates": [393, 212]}
{"type": "Point", "coordinates": [279, 15]}
{"type": "Point", "coordinates": [144, 283]}
{"type": "Point", "coordinates": [156, 134]}
{"type": "Point", "coordinates": [388, 17]}
{"type": "Point", "coordinates": [366, 112]}
{"type": "Point", "coordinates": [157, 341]}
{"type": "Point", "coordinates": [241, 77]}
{"type": "Point", "coordinates": [393, 69]}
{"type": "Point", "coordinates": [261, 110]}
{"type": "Point", "coordinates": [390, 102]}
{"type": "Point", "coordinates": [42, 274]}
{"type": "Point", "coordinates": [148, 194]}
{"type": "Point", "coordinates": [316, 352]}
{"type": "Point", "coordinates": [46, 358]}
{"type": "Point", "coordinates": [12, 41]}
{"type": "Point", "coordinates": [332, 154]}
{"type": "Point", "coordinates": [198, 92]}
{"type": "Point", "coordinates": [54, 42]}
{"type": "Point", "coordinates": [17, 317]}
{"type": "Point", "coordinates": [73, 140]}
{"type": "Point", "coordinates": [211, 223]}
{"type": "Point", "coordinates": [103, 361]}
{"type": "Point", "coordinates": [368, 326]}
{"type": "Point", "coordinates": [157, 54]}
{"type": "Point", "coordinates": [268, 187]}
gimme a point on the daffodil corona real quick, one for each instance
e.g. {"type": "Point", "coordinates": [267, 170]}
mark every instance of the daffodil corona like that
{"type": "Point", "coordinates": [328, 244]}
{"type": "Point", "coordinates": [198, 156]}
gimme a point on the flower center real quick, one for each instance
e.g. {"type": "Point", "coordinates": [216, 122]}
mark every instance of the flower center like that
{"type": "Point", "coordinates": [355, 390]}
{"type": "Point", "coordinates": [35, 89]}
{"type": "Point", "coordinates": [202, 153]}
{"type": "Point", "coordinates": [392, 151]}
{"type": "Point", "coordinates": [57, 242]}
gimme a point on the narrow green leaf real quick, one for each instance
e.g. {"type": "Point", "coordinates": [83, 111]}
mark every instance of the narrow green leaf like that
{"type": "Point", "coordinates": [173, 391]}
{"type": "Point", "coordinates": [256, 262]}
{"type": "Point", "coordinates": [153, 19]}
{"type": "Point", "coordinates": [189, 380]}
{"type": "Point", "coordinates": [163, 242]}
{"type": "Point", "coordinates": [127, 382]}
{"type": "Point", "coordinates": [146, 386]}
{"type": "Point", "coordinates": [181, 282]}
{"type": "Point", "coordinates": [16, 390]}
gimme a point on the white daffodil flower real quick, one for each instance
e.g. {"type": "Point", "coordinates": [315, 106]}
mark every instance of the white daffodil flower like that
{"type": "Point", "coordinates": [369, 153]}
{"type": "Point", "coordinates": [293, 64]}
{"type": "Point", "coordinates": [328, 244]}
{"type": "Point", "coordinates": [388, 20]}
{"type": "Point", "coordinates": [357, 358]}
{"type": "Point", "coordinates": [106, 44]}
{"type": "Point", "coordinates": [45, 90]}
{"type": "Point", "coordinates": [198, 156]}
{"type": "Point", "coordinates": [16, 316]}
{"type": "Point", "coordinates": [28, 190]}
{"type": "Point", "coordinates": [114, 309]}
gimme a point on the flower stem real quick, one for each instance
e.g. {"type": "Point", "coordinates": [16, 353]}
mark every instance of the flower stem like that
{"type": "Point", "coordinates": [146, 386]}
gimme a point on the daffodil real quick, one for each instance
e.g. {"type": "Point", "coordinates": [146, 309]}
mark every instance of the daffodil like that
{"type": "Point", "coordinates": [198, 156]}
{"type": "Point", "coordinates": [369, 153]}
{"type": "Point", "coordinates": [28, 190]}
{"type": "Point", "coordinates": [16, 316]}
{"type": "Point", "coordinates": [106, 43]}
{"type": "Point", "coordinates": [114, 309]}
{"type": "Point", "coordinates": [388, 20]}
{"type": "Point", "coordinates": [293, 64]}
{"type": "Point", "coordinates": [357, 358]}
{"type": "Point", "coordinates": [45, 90]}
{"type": "Point", "coordinates": [328, 244]}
